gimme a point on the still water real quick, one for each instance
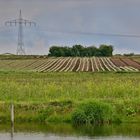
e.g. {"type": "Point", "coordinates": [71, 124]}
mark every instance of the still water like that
{"type": "Point", "coordinates": [69, 132]}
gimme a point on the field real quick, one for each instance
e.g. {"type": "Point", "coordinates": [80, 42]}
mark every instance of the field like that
{"type": "Point", "coordinates": [52, 97]}
{"type": "Point", "coordinates": [70, 64]}
{"type": "Point", "coordinates": [49, 89]}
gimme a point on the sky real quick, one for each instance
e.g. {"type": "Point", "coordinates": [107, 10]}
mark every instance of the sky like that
{"type": "Point", "coordinates": [69, 22]}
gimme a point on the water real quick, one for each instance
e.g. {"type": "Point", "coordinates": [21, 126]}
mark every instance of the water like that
{"type": "Point", "coordinates": [69, 132]}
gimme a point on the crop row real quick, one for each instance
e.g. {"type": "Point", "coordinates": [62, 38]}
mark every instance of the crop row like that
{"type": "Point", "coordinates": [77, 64]}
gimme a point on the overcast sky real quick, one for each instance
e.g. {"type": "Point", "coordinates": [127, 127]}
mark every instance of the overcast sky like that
{"type": "Point", "coordinates": [57, 20]}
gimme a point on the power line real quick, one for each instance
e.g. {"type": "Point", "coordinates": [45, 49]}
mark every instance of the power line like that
{"type": "Point", "coordinates": [20, 22]}
{"type": "Point", "coordinates": [93, 33]}
{"type": "Point", "coordinates": [84, 33]}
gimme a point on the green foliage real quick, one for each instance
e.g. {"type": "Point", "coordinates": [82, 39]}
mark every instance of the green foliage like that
{"type": "Point", "coordinates": [61, 103]}
{"type": "Point", "coordinates": [129, 54]}
{"type": "Point", "coordinates": [40, 96]}
{"type": "Point", "coordinates": [93, 112]}
{"type": "Point", "coordinates": [130, 111]}
{"type": "Point", "coordinates": [81, 51]}
{"type": "Point", "coordinates": [44, 113]}
{"type": "Point", "coordinates": [106, 50]}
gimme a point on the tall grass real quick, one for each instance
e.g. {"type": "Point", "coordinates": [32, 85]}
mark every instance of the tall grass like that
{"type": "Point", "coordinates": [58, 90]}
{"type": "Point", "coordinates": [74, 86]}
{"type": "Point", "coordinates": [93, 112]}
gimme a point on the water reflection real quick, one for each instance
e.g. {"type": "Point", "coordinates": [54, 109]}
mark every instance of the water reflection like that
{"type": "Point", "coordinates": [12, 131]}
{"type": "Point", "coordinates": [69, 132]}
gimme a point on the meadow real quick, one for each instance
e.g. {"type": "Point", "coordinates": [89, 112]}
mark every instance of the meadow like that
{"type": "Point", "coordinates": [52, 97]}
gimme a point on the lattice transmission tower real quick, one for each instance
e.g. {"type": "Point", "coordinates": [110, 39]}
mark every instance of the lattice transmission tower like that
{"type": "Point", "coordinates": [20, 22]}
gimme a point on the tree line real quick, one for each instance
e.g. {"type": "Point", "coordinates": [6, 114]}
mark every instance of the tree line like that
{"type": "Point", "coordinates": [81, 51]}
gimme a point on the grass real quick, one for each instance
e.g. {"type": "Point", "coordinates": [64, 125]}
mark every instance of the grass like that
{"type": "Point", "coordinates": [93, 113]}
{"type": "Point", "coordinates": [52, 97]}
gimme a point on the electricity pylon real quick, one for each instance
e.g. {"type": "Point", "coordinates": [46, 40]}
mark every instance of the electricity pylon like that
{"type": "Point", "coordinates": [20, 22]}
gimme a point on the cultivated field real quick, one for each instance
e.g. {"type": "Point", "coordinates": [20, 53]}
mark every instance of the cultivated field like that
{"type": "Point", "coordinates": [53, 94]}
{"type": "Point", "coordinates": [70, 64]}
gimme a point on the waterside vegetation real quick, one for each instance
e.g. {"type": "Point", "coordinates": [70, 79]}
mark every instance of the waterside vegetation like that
{"type": "Point", "coordinates": [59, 97]}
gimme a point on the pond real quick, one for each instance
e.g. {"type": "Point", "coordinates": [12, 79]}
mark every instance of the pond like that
{"type": "Point", "coordinates": [69, 132]}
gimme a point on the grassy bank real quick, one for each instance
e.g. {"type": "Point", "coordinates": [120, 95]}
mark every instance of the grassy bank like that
{"type": "Point", "coordinates": [52, 97]}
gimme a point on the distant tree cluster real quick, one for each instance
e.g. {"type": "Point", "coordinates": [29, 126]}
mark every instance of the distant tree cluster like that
{"type": "Point", "coordinates": [129, 54]}
{"type": "Point", "coordinates": [79, 50]}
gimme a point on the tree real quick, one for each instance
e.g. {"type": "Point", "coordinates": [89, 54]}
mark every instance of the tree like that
{"type": "Point", "coordinates": [106, 50]}
{"type": "Point", "coordinates": [56, 51]}
{"type": "Point", "coordinates": [67, 51]}
{"type": "Point", "coordinates": [77, 50]}
{"type": "Point", "coordinates": [91, 51]}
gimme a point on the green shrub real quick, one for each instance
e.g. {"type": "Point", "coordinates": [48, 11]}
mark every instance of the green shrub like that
{"type": "Point", "coordinates": [93, 112]}
{"type": "Point", "coordinates": [44, 113]}
{"type": "Point", "coordinates": [130, 111]}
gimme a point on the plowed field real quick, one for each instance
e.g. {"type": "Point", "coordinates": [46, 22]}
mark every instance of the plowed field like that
{"type": "Point", "coordinates": [77, 64]}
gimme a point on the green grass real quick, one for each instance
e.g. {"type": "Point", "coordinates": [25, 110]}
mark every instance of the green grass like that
{"type": "Point", "coordinates": [93, 113]}
{"type": "Point", "coordinates": [53, 96]}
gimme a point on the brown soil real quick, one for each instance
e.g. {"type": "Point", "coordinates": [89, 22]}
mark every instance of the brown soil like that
{"type": "Point", "coordinates": [130, 62]}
